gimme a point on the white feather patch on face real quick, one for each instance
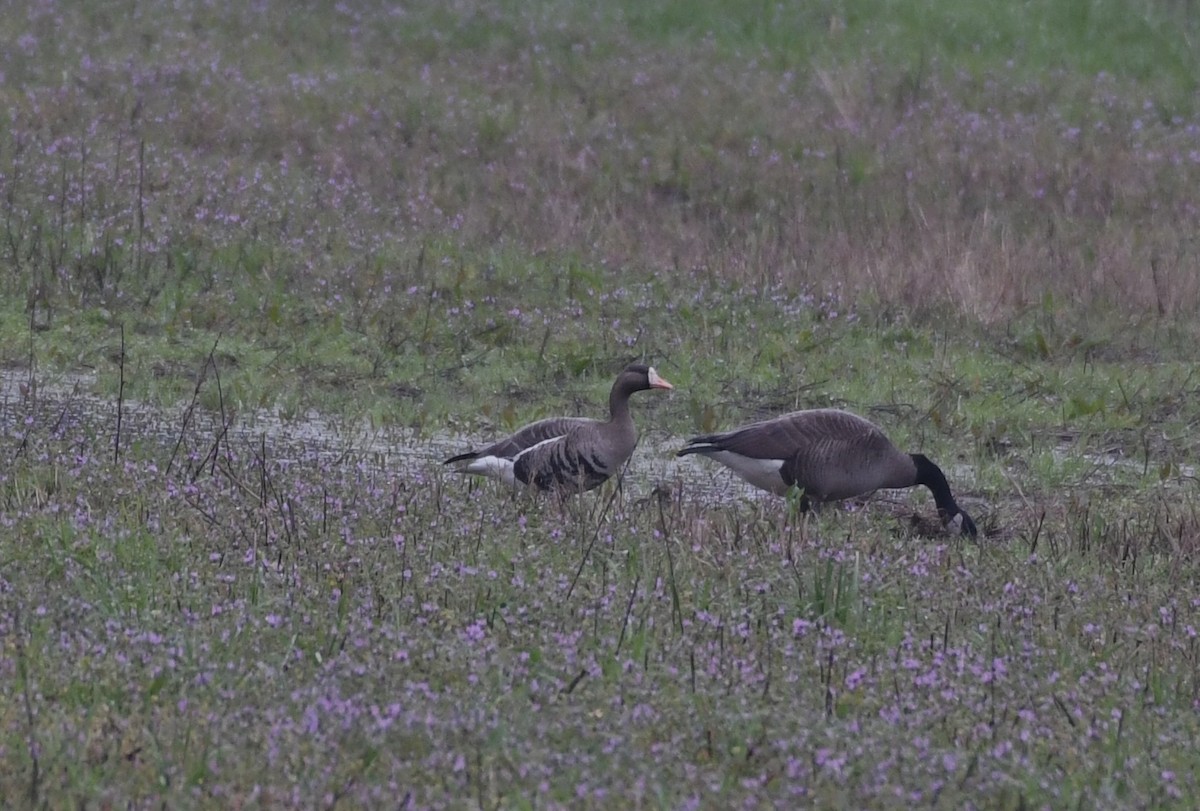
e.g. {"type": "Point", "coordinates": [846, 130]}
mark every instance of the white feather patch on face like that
{"type": "Point", "coordinates": [762, 473]}
{"type": "Point", "coordinates": [494, 467]}
{"type": "Point", "coordinates": [657, 382]}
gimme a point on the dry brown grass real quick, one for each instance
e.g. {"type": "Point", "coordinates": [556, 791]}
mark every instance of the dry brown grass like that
{"type": "Point", "coordinates": [911, 188]}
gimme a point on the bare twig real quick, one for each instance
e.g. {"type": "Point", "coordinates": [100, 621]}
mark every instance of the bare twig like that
{"type": "Point", "coordinates": [570, 688]}
{"type": "Point", "coordinates": [628, 610]}
{"type": "Point", "coordinates": [226, 422]}
{"type": "Point", "coordinates": [120, 398]}
{"type": "Point", "coordinates": [30, 388]}
{"type": "Point", "coordinates": [187, 414]}
{"type": "Point", "coordinates": [35, 772]}
{"type": "Point", "coordinates": [31, 382]}
{"type": "Point", "coordinates": [141, 206]}
{"type": "Point", "coordinates": [676, 607]}
{"type": "Point", "coordinates": [1017, 487]}
{"type": "Point", "coordinates": [596, 534]}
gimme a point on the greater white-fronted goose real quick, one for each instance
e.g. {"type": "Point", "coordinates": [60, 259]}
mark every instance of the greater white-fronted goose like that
{"type": "Point", "coordinates": [568, 454]}
{"type": "Point", "coordinates": [829, 455]}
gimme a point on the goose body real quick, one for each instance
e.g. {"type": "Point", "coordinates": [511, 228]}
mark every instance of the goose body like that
{"type": "Point", "coordinates": [829, 455]}
{"type": "Point", "coordinates": [567, 454]}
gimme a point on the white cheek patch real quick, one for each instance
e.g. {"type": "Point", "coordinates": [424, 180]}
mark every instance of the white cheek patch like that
{"type": "Point", "coordinates": [494, 467]}
{"type": "Point", "coordinates": [762, 473]}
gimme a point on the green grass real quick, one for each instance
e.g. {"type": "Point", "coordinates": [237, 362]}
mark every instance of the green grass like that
{"type": "Point", "coordinates": [1078, 37]}
{"type": "Point", "coordinates": [402, 230]}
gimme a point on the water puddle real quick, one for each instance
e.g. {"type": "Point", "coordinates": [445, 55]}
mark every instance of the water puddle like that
{"type": "Point", "coordinates": [67, 401]}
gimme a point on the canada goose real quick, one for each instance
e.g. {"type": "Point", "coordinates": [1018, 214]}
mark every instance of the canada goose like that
{"type": "Point", "coordinates": [830, 455]}
{"type": "Point", "coordinates": [568, 454]}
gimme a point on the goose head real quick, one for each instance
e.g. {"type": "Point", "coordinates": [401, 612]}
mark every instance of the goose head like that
{"type": "Point", "coordinates": [640, 377]}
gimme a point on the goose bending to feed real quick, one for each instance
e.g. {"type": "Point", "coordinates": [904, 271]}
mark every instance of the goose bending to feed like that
{"type": "Point", "coordinates": [830, 455]}
{"type": "Point", "coordinates": [568, 454]}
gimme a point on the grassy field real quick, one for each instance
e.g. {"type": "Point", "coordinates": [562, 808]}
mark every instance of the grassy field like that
{"type": "Point", "coordinates": [429, 224]}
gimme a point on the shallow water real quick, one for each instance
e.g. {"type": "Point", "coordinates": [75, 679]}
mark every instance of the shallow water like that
{"type": "Point", "coordinates": [62, 402]}
{"type": "Point", "coordinates": [66, 402]}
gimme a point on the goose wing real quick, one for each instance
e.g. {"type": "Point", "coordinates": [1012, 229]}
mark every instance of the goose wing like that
{"type": "Point", "coordinates": [576, 461]}
{"type": "Point", "coordinates": [531, 435]}
{"type": "Point", "coordinates": [819, 431]}
{"type": "Point", "coordinates": [827, 452]}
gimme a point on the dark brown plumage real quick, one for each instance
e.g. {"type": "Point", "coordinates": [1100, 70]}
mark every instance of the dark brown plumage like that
{"type": "Point", "coordinates": [829, 455]}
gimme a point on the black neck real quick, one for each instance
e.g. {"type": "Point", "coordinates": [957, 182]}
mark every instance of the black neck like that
{"type": "Point", "coordinates": [932, 477]}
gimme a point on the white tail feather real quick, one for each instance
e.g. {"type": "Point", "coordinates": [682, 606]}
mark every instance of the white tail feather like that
{"type": "Point", "coordinates": [494, 467]}
{"type": "Point", "coordinates": [762, 473]}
